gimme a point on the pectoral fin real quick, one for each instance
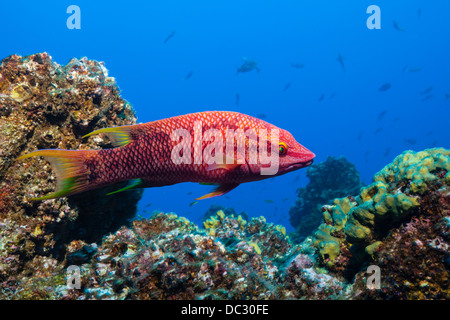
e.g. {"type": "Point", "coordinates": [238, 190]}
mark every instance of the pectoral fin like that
{"type": "Point", "coordinates": [229, 163]}
{"type": "Point", "coordinates": [220, 190]}
{"type": "Point", "coordinates": [132, 184]}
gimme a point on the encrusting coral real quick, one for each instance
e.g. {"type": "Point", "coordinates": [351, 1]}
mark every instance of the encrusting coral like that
{"type": "Point", "coordinates": [45, 105]}
{"type": "Point", "coordinates": [403, 210]}
{"type": "Point", "coordinates": [400, 223]}
{"type": "Point", "coordinates": [333, 178]}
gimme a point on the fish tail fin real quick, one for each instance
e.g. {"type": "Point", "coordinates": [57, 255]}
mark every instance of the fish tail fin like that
{"type": "Point", "coordinates": [71, 173]}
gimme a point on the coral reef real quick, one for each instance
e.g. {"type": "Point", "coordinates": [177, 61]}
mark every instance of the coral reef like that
{"type": "Point", "coordinates": [333, 178]}
{"type": "Point", "coordinates": [168, 257]}
{"type": "Point", "coordinates": [45, 105]}
{"type": "Point", "coordinates": [392, 225]}
{"type": "Point", "coordinates": [399, 224]}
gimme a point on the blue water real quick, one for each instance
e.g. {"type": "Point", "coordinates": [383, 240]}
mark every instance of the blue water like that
{"type": "Point", "coordinates": [210, 40]}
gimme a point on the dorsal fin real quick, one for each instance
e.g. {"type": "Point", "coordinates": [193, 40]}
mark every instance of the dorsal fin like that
{"type": "Point", "coordinates": [119, 136]}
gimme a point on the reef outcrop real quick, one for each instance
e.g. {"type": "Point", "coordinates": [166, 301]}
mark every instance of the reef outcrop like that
{"type": "Point", "coordinates": [45, 105]}
{"type": "Point", "coordinates": [398, 225]}
{"type": "Point", "coordinates": [334, 178]}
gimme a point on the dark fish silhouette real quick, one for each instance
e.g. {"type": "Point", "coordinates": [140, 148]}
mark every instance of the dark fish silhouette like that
{"type": "Point", "coordinates": [378, 130]}
{"type": "Point", "coordinates": [384, 87]}
{"type": "Point", "coordinates": [332, 96]}
{"type": "Point", "coordinates": [381, 115]}
{"type": "Point", "coordinates": [237, 99]}
{"type": "Point", "coordinates": [419, 13]}
{"type": "Point", "coordinates": [261, 115]}
{"type": "Point", "coordinates": [248, 65]}
{"type": "Point", "coordinates": [386, 152]}
{"type": "Point", "coordinates": [287, 86]}
{"type": "Point", "coordinates": [170, 36]}
{"type": "Point", "coordinates": [408, 69]}
{"type": "Point", "coordinates": [447, 96]}
{"type": "Point", "coordinates": [321, 97]}
{"type": "Point", "coordinates": [410, 141]}
{"type": "Point", "coordinates": [360, 134]}
{"type": "Point", "coordinates": [427, 90]}
{"type": "Point", "coordinates": [189, 75]}
{"type": "Point", "coordinates": [396, 27]}
{"type": "Point", "coordinates": [428, 97]}
{"type": "Point", "coordinates": [341, 59]}
{"type": "Point", "coordinates": [297, 65]}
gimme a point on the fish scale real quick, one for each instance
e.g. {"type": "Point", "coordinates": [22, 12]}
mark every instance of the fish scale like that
{"type": "Point", "coordinates": [143, 155]}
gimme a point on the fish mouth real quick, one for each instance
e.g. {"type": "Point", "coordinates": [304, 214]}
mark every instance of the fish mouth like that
{"type": "Point", "coordinates": [299, 165]}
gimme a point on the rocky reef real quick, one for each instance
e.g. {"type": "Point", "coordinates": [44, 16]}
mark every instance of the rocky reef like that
{"type": "Point", "coordinates": [46, 105]}
{"type": "Point", "coordinates": [334, 178]}
{"type": "Point", "coordinates": [398, 225]}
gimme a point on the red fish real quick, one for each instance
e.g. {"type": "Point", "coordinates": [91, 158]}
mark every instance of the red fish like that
{"type": "Point", "coordinates": [214, 147]}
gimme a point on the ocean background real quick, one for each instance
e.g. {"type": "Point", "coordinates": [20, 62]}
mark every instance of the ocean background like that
{"type": "Point", "coordinates": [330, 111]}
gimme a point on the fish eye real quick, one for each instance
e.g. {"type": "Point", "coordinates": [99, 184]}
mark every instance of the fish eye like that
{"type": "Point", "coordinates": [283, 149]}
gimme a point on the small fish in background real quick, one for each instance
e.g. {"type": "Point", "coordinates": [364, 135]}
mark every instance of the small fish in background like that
{"type": "Point", "coordinates": [237, 99]}
{"type": "Point", "coordinates": [366, 154]}
{"type": "Point", "coordinates": [385, 87]}
{"type": "Point", "coordinates": [428, 97]}
{"type": "Point", "coordinates": [381, 115]}
{"type": "Point", "coordinates": [434, 143]}
{"type": "Point", "coordinates": [427, 90]}
{"type": "Point", "coordinates": [332, 96]}
{"type": "Point", "coordinates": [360, 135]}
{"type": "Point", "coordinates": [193, 203]}
{"type": "Point", "coordinates": [284, 199]}
{"type": "Point", "coordinates": [247, 66]}
{"type": "Point", "coordinates": [189, 75]}
{"type": "Point", "coordinates": [269, 201]}
{"type": "Point", "coordinates": [408, 69]}
{"type": "Point", "coordinates": [413, 69]}
{"type": "Point", "coordinates": [341, 59]}
{"type": "Point", "coordinates": [410, 141]}
{"type": "Point", "coordinates": [396, 27]}
{"type": "Point", "coordinates": [386, 152]}
{"type": "Point", "coordinates": [378, 130]}
{"type": "Point", "coordinates": [261, 116]}
{"type": "Point", "coordinates": [297, 65]}
{"type": "Point", "coordinates": [287, 86]}
{"type": "Point", "coordinates": [419, 13]}
{"type": "Point", "coordinates": [148, 205]}
{"type": "Point", "coordinates": [170, 36]}
{"type": "Point", "coordinates": [396, 119]}
{"type": "Point", "coordinates": [447, 96]}
{"type": "Point", "coordinates": [321, 97]}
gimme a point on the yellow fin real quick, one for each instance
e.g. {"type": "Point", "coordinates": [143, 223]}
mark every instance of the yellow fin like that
{"type": "Point", "coordinates": [119, 136]}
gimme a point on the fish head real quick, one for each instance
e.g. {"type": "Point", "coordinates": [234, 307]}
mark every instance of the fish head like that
{"type": "Point", "coordinates": [292, 155]}
{"type": "Point", "coordinates": [284, 154]}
